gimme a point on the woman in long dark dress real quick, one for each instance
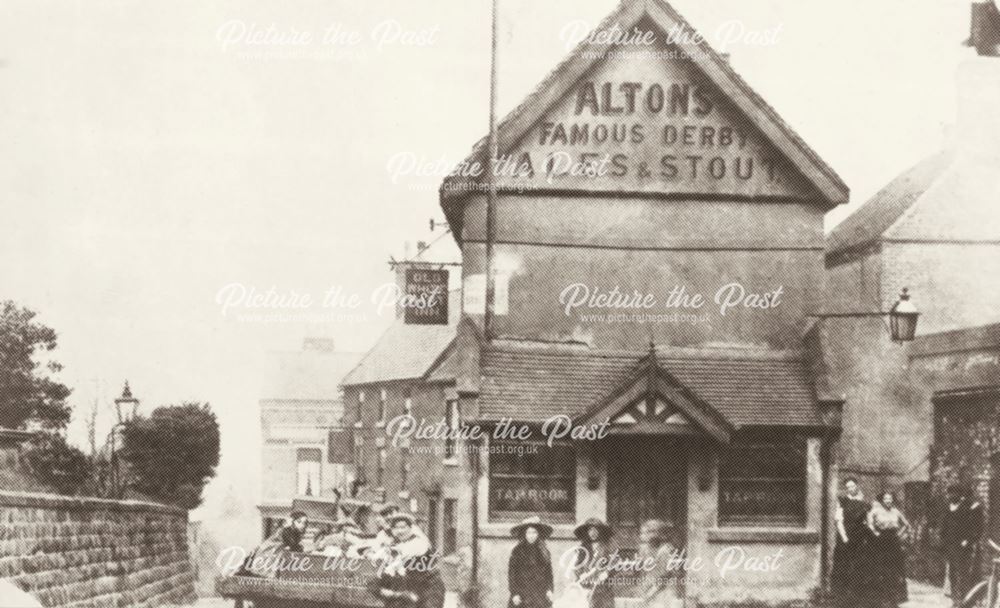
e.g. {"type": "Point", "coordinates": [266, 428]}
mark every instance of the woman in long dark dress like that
{"type": "Point", "coordinates": [529, 572]}
{"type": "Point", "coordinates": [588, 570]}
{"type": "Point", "coordinates": [887, 563]}
{"type": "Point", "coordinates": [848, 577]}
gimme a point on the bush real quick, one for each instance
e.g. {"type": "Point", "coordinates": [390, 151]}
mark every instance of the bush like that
{"type": "Point", "coordinates": [56, 463]}
{"type": "Point", "coordinates": [172, 454]}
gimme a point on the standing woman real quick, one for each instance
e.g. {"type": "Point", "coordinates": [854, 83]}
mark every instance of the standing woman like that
{"type": "Point", "coordinates": [529, 573]}
{"type": "Point", "coordinates": [888, 526]}
{"type": "Point", "coordinates": [852, 540]}
{"type": "Point", "coordinates": [591, 558]}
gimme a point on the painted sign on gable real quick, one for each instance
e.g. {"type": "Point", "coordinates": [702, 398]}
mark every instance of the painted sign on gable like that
{"type": "Point", "coordinates": [639, 122]}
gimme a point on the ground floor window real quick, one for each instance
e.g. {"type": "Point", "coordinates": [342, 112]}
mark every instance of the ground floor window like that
{"type": "Point", "coordinates": [762, 481]}
{"type": "Point", "coordinates": [432, 522]}
{"type": "Point", "coordinates": [450, 543]}
{"type": "Point", "coordinates": [532, 477]}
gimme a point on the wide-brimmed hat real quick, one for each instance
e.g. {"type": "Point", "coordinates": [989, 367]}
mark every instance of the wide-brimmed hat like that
{"type": "Point", "coordinates": [603, 529]}
{"type": "Point", "coordinates": [400, 516]}
{"type": "Point", "coordinates": [544, 530]}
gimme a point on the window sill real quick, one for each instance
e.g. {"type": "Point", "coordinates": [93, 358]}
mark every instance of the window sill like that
{"type": "Point", "coordinates": [784, 536]}
{"type": "Point", "coordinates": [499, 527]}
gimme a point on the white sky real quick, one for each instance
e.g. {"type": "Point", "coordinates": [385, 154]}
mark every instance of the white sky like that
{"type": "Point", "coordinates": [144, 164]}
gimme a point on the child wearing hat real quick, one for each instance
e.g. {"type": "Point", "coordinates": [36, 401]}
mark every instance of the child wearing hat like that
{"type": "Point", "coordinates": [593, 551]}
{"type": "Point", "coordinates": [529, 572]}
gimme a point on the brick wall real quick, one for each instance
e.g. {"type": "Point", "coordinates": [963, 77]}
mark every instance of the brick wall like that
{"type": "Point", "coordinates": [424, 457]}
{"type": "Point", "coordinates": [84, 552]}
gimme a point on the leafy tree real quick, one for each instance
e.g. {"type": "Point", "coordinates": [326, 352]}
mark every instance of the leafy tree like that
{"type": "Point", "coordinates": [56, 463]}
{"type": "Point", "coordinates": [27, 394]}
{"type": "Point", "coordinates": [172, 454]}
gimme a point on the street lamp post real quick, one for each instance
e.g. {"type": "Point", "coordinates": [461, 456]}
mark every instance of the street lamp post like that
{"type": "Point", "coordinates": [127, 407]}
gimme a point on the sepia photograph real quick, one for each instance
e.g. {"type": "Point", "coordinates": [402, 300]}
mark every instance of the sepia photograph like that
{"type": "Point", "coordinates": [500, 304]}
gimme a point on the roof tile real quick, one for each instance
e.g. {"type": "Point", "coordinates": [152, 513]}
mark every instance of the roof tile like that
{"type": "Point", "coordinates": [406, 351]}
{"type": "Point", "coordinates": [747, 388]}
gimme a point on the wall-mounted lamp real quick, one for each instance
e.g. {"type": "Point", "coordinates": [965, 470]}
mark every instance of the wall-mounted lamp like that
{"type": "Point", "coordinates": [902, 318]}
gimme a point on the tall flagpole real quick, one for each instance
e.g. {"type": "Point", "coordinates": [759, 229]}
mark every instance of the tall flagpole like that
{"type": "Point", "coordinates": [491, 192]}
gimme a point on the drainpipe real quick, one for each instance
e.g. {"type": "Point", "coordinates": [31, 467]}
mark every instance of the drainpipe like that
{"type": "Point", "coordinates": [825, 465]}
{"type": "Point", "coordinates": [477, 468]}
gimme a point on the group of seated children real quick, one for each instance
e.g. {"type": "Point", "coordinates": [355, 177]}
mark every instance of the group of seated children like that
{"type": "Point", "coordinates": [368, 533]}
{"type": "Point", "coordinates": [407, 574]}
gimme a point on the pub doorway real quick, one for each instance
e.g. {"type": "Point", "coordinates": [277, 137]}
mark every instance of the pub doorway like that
{"type": "Point", "coordinates": [647, 479]}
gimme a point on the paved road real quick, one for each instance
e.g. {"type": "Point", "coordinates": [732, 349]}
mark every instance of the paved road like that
{"type": "Point", "coordinates": [921, 596]}
{"type": "Point", "coordinates": [451, 601]}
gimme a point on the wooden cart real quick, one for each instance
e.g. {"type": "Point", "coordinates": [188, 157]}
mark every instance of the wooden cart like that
{"type": "Point", "coordinates": [314, 589]}
{"type": "Point", "coordinates": [317, 587]}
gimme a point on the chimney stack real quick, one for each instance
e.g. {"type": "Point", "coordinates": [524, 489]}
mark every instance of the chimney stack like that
{"type": "Point", "coordinates": [984, 30]}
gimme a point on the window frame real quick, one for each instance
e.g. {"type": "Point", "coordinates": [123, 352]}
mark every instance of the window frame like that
{"type": "Point", "coordinates": [453, 421]}
{"type": "Point", "coordinates": [800, 481]}
{"type": "Point", "coordinates": [569, 478]}
{"type": "Point", "coordinates": [449, 526]}
{"type": "Point", "coordinates": [299, 461]}
{"type": "Point", "coordinates": [383, 407]}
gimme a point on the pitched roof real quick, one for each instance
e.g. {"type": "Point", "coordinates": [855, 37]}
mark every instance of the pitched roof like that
{"type": "Point", "coordinates": [653, 400]}
{"type": "Point", "coordinates": [407, 351]}
{"type": "Point", "coordinates": [589, 52]}
{"type": "Point", "coordinates": [748, 387]}
{"type": "Point", "coordinates": [882, 211]}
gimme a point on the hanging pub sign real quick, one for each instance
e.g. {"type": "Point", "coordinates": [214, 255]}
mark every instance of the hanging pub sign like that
{"type": "Point", "coordinates": [340, 446]}
{"type": "Point", "coordinates": [426, 299]}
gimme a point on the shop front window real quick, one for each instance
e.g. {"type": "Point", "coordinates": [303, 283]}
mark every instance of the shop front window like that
{"type": "Point", "coordinates": [532, 477]}
{"type": "Point", "coordinates": [762, 481]}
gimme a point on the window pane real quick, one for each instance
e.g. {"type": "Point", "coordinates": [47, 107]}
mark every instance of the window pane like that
{"type": "Point", "coordinates": [532, 477]}
{"type": "Point", "coordinates": [763, 483]}
{"type": "Point", "coordinates": [308, 471]}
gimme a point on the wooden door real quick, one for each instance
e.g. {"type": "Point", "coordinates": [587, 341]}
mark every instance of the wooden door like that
{"type": "Point", "coordinates": [647, 479]}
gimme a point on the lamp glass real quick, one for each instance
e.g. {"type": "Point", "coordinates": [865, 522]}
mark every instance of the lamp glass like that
{"type": "Point", "coordinates": [903, 319]}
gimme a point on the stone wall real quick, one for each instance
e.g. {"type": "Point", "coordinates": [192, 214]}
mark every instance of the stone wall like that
{"type": "Point", "coordinates": [83, 552]}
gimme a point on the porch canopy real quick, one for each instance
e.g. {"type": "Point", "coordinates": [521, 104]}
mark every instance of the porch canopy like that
{"type": "Point", "coordinates": [711, 392]}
